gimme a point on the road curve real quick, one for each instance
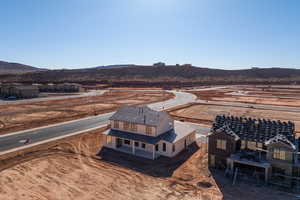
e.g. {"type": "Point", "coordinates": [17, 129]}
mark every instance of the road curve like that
{"type": "Point", "coordinates": [14, 140]}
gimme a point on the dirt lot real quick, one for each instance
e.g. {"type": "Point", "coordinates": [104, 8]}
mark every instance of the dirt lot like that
{"type": "Point", "coordinates": [70, 171]}
{"type": "Point", "coordinates": [34, 114]}
{"type": "Point", "coordinates": [207, 113]}
{"type": "Point", "coordinates": [272, 95]}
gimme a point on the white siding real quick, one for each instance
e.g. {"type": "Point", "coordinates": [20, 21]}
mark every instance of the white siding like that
{"type": "Point", "coordinates": [165, 125]}
{"type": "Point", "coordinates": [141, 129]}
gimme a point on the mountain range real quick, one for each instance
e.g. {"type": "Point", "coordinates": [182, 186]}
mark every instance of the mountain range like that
{"type": "Point", "coordinates": [16, 68]}
{"type": "Point", "coordinates": [159, 75]}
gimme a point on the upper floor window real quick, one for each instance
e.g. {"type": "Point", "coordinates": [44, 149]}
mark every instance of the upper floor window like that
{"type": "Point", "coordinates": [126, 125]}
{"type": "Point", "coordinates": [148, 130]}
{"type": "Point", "coordinates": [279, 154]}
{"type": "Point", "coordinates": [251, 145]}
{"type": "Point", "coordinates": [116, 124]}
{"type": "Point", "coordinates": [243, 144]}
{"type": "Point", "coordinates": [108, 139]}
{"type": "Point", "coordinates": [133, 126]}
{"type": "Point", "coordinates": [221, 144]}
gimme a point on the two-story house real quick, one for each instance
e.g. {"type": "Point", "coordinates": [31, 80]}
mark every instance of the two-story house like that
{"type": "Point", "coordinates": [256, 145]}
{"type": "Point", "coordinates": [144, 132]}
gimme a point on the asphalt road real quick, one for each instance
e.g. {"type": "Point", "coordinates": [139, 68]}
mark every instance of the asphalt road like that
{"type": "Point", "coordinates": [14, 140]}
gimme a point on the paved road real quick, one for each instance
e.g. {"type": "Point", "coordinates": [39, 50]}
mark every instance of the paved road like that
{"type": "Point", "coordinates": [84, 94]}
{"type": "Point", "coordinates": [11, 141]}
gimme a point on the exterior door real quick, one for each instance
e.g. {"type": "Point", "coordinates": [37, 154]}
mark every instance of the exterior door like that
{"type": "Point", "coordinates": [119, 142]}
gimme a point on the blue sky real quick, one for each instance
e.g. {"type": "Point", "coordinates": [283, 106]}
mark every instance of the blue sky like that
{"type": "Point", "coordinates": [227, 34]}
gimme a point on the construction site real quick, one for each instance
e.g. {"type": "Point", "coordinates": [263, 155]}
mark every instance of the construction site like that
{"type": "Point", "coordinates": [67, 168]}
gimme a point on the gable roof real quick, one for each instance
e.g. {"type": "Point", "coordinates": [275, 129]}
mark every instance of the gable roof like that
{"type": "Point", "coordinates": [139, 115]}
{"type": "Point", "coordinates": [226, 129]}
{"type": "Point", "coordinates": [280, 138]}
{"type": "Point", "coordinates": [258, 130]}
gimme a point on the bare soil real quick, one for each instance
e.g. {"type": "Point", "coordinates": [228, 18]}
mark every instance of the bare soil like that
{"type": "Point", "coordinates": [70, 170]}
{"type": "Point", "coordinates": [271, 95]}
{"type": "Point", "coordinates": [207, 113]}
{"type": "Point", "coordinates": [34, 114]}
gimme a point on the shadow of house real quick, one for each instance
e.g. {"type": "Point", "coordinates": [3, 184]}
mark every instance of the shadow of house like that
{"type": "Point", "coordinates": [161, 167]}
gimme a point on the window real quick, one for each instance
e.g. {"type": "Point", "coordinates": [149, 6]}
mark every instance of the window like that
{"type": "Point", "coordinates": [108, 139]}
{"type": "Point", "coordinates": [259, 145]}
{"type": "Point", "coordinates": [251, 145]}
{"type": "Point", "coordinates": [164, 147]}
{"type": "Point", "coordinates": [243, 144]}
{"type": "Point", "coordinates": [116, 124]}
{"type": "Point", "coordinates": [126, 126]}
{"type": "Point", "coordinates": [136, 144]}
{"type": "Point", "coordinates": [148, 130]}
{"type": "Point", "coordinates": [143, 145]}
{"type": "Point", "coordinates": [173, 148]}
{"type": "Point", "coordinates": [156, 147]}
{"type": "Point", "coordinates": [127, 142]}
{"type": "Point", "coordinates": [133, 127]}
{"type": "Point", "coordinates": [279, 154]}
{"type": "Point", "coordinates": [221, 144]}
{"type": "Point", "coordinates": [212, 160]}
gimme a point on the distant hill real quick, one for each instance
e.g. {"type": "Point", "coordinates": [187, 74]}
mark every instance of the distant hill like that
{"type": "Point", "coordinates": [114, 66]}
{"type": "Point", "coordinates": [163, 76]}
{"type": "Point", "coordinates": [16, 68]}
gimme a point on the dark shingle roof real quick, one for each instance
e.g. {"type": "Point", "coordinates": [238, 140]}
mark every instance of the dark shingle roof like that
{"type": "Point", "coordinates": [258, 130]}
{"type": "Point", "coordinates": [139, 115]}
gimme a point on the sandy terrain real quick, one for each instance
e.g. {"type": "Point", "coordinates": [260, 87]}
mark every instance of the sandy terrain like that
{"type": "Point", "coordinates": [71, 171]}
{"type": "Point", "coordinates": [261, 100]}
{"type": "Point", "coordinates": [272, 95]}
{"type": "Point", "coordinates": [29, 115]}
{"type": "Point", "coordinates": [207, 113]}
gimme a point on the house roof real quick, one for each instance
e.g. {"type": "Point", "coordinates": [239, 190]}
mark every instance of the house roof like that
{"type": "Point", "coordinates": [258, 130]}
{"type": "Point", "coordinates": [225, 128]}
{"type": "Point", "coordinates": [180, 131]}
{"type": "Point", "coordinates": [280, 138]}
{"type": "Point", "coordinates": [139, 115]}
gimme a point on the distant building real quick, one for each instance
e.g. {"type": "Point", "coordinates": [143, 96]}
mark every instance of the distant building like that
{"type": "Point", "coordinates": [143, 132]}
{"type": "Point", "coordinates": [255, 146]}
{"type": "Point", "coordinates": [19, 91]}
{"type": "Point", "coordinates": [159, 64]}
{"type": "Point", "coordinates": [63, 87]}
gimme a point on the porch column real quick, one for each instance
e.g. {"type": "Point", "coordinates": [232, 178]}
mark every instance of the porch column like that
{"type": "Point", "coordinates": [267, 173]}
{"type": "Point", "coordinates": [153, 151]}
{"type": "Point", "coordinates": [133, 149]}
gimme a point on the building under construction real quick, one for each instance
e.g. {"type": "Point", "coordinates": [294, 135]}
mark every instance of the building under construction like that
{"type": "Point", "coordinates": [261, 148]}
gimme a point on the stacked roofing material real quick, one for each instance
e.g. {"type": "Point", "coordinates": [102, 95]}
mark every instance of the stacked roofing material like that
{"type": "Point", "coordinates": [258, 130]}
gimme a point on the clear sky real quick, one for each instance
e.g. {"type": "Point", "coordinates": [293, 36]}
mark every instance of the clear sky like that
{"type": "Point", "coordinates": [209, 33]}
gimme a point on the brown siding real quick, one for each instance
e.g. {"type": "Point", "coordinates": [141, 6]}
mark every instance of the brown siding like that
{"type": "Point", "coordinates": [221, 155]}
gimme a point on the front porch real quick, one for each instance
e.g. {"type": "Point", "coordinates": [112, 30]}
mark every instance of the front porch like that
{"type": "Point", "coordinates": [136, 148]}
{"type": "Point", "coordinates": [137, 152]}
{"type": "Point", "coordinates": [238, 160]}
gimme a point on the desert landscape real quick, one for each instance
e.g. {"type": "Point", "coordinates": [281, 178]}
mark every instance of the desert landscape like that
{"type": "Point", "coordinates": [21, 116]}
{"type": "Point", "coordinates": [77, 168]}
